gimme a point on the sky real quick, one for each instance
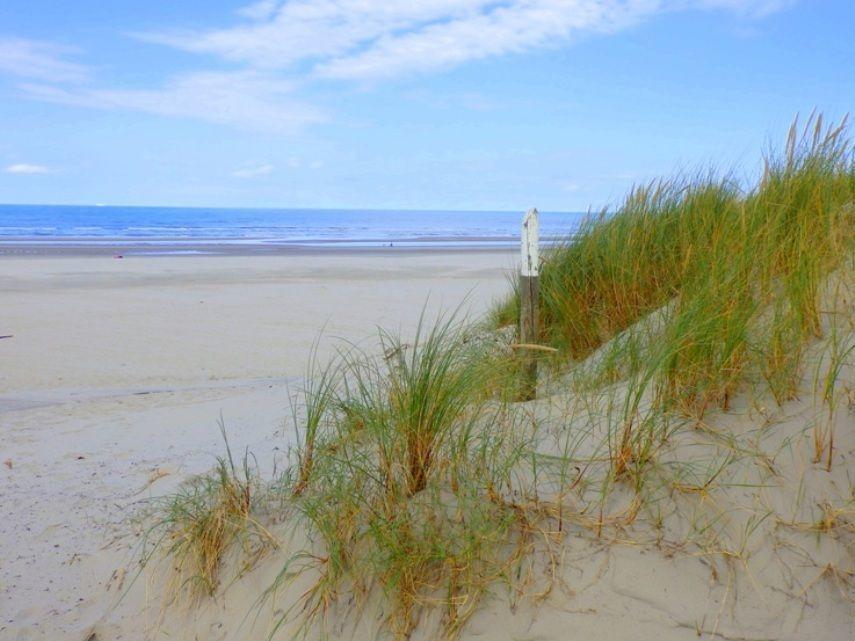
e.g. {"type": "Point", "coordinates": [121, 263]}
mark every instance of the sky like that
{"type": "Point", "coordinates": [423, 104]}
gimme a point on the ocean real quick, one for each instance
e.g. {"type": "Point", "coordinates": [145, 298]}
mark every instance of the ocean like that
{"type": "Point", "coordinates": [174, 226]}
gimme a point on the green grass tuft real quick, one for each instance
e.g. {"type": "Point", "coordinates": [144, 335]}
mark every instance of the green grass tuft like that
{"type": "Point", "coordinates": [417, 477]}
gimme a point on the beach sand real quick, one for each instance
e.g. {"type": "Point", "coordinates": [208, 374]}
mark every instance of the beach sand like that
{"type": "Point", "coordinates": [117, 372]}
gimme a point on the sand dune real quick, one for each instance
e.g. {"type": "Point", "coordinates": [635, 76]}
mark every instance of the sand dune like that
{"type": "Point", "coordinates": [141, 416]}
{"type": "Point", "coordinates": [118, 371]}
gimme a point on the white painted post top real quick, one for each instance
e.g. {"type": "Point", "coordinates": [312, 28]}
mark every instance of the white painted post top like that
{"type": "Point", "coordinates": [530, 239]}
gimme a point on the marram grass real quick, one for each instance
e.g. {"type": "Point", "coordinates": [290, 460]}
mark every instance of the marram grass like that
{"type": "Point", "coordinates": [208, 516]}
{"type": "Point", "coordinates": [736, 271]}
{"type": "Point", "coordinates": [410, 480]}
{"type": "Point", "coordinates": [417, 477]}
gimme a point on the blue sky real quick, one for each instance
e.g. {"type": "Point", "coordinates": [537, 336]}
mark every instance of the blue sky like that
{"type": "Point", "coordinates": [431, 104]}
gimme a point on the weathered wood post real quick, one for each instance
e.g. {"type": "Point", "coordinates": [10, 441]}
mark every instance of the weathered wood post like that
{"type": "Point", "coordinates": [529, 303]}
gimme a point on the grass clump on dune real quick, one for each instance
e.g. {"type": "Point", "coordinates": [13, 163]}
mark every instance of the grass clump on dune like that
{"type": "Point", "coordinates": [411, 479]}
{"type": "Point", "coordinates": [198, 525]}
{"type": "Point", "coordinates": [417, 478]}
{"type": "Point", "coordinates": [735, 271]}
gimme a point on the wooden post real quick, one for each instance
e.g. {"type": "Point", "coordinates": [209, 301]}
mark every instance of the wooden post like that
{"type": "Point", "coordinates": [529, 303]}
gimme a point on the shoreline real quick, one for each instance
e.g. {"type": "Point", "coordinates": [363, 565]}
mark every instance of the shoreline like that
{"type": "Point", "coordinates": [236, 247]}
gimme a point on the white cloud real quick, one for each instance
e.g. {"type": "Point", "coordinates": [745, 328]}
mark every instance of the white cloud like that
{"type": "Point", "coordinates": [248, 100]}
{"type": "Point", "coordinates": [261, 10]}
{"type": "Point", "coordinates": [40, 61]}
{"type": "Point", "coordinates": [282, 45]}
{"type": "Point", "coordinates": [369, 39]}
{"type": "Point", "coordinates": [26, 169]}
{"type": "Point", "coordinates": [290, 32]}
{"type": "Point", "coordinates": [507, 29]}
{"type": "Point", "coordinates": [253, 171]}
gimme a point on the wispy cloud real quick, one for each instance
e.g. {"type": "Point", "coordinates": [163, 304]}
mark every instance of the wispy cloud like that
{"type": "Point", "coordinates": [260, 10]}
{"type": "Point", "coordinates": [248, 100]}
{"type": "Point", "coordinates": [26, 169]}
{"type": "Point", "coordinates": [253, 171]}
{"type": "Point", "coordinates": [40, 61]}
{"type": "Point", "coordinates": [372, 39]}
{"type": "Point", "coordinates": [282, 46]}
{"type": "Point", "coordinates": [284, 33]}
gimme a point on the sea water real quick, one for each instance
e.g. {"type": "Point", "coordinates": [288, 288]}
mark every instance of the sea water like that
{"type": "Point", "coordinates": [49, 224]}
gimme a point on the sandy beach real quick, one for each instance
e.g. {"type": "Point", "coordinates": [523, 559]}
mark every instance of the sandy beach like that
{"type": "Point", "coordinates": [115, 377]}
{"type": "Point", "coordinates": [116, 372]}
{"type": "Point", "coordinates": [463, 320]}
